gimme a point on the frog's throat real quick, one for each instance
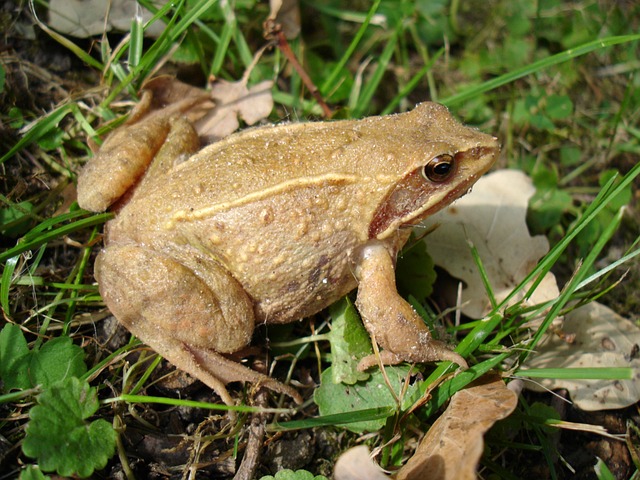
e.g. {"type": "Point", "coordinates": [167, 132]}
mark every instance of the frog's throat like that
{"type": "Point", "coordinates": [330, 179]}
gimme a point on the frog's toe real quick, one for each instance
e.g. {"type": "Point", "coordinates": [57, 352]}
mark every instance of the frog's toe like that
{"type": "Point", "coordinates": [219, 369]}
{"type": "Point", "coordinates": [436, 352]}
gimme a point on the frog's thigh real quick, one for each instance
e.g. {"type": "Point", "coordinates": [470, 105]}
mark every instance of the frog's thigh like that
{"type": "Point", "coordinates": [176, 313]}
{"type": "Point", "coordinates": [162, 301]}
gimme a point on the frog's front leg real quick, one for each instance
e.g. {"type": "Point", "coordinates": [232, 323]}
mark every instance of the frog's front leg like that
{"type": "Point", "coordinates": [190, 319]}
{"type": "Point", "coordinates": [389, 319]}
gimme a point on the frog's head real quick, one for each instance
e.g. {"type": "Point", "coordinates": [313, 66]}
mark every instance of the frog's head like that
{"type": "Point", "coordinates": [443, 160]}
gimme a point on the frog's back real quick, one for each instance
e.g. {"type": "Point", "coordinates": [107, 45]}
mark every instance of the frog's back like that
{"type": "Point", "coordinates": [268, 158]}
{"type": "Point", "coordinates": [262, 164]}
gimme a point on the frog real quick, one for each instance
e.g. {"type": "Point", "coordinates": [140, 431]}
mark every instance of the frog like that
{"type": "Point", "coordinates": [271, 225]}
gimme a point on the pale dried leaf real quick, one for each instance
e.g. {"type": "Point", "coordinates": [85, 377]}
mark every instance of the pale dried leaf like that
{"type": "Point", "coordinates": [356, 464]}
{"type": "Point", "coordinates": [493, 218]}
{"type": "Point", "coordinates": [602, 339]}
{"type": "Point", "coordinates": [85, 18]}
{"type": "Point", "coordinates": [169, 97]}
{"type": "Point", "coordinates": [233, 100]}
{"type": "Point", "coordinates": [285, 13]}
{"type": "Point", "coordinates": [452, 447]}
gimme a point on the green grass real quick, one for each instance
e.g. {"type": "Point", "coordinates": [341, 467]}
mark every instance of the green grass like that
{"type": "Point", "coordinates": [558, 86]}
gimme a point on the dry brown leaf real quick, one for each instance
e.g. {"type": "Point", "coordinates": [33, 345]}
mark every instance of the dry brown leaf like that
{"type": "Point", "coordinates": [493, 218]}
{"type": "Point", "coordinates": [356, 464]}
{"type": "Point", "coordinates": [452, 447]}
{"type": "Point", "coordinates": [285, 13]}
{"type": "Point", "coordinates": [166, 95]}
{"type": "Point", "coordinates": [233, 100]}
{"type": "Point", "coordinates": [602, 339]}
{"type": "Point", "coordinates": [85, 18]}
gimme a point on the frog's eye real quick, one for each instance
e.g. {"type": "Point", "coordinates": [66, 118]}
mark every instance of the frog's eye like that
{"type": "Point", "coordinates": [439, 168]}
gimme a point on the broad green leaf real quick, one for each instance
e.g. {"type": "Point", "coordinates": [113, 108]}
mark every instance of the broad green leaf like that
{"type": "Point", "coordinates": [546, 209]}
{"type": "Point", "coordinates": [59, 436]}
{"type": "Point", "coordinates": [559, 107]}
{"type": "Point", "coordinates": [570, 156]}
{"type": "Point", "coordinates": [14, 354]}
{"type": "Point", "coordinates": [21, 368]}
{"type": "Point", "coordinates": [349, 343]}
{"type": "Point", "coordinates": [32, 472]}
{"type": "Point", "coordinates": [291, 475]}
{"type": "Point", "coordinates": [416, 272]}
{"type": "Point", "coordinates": [18, 216]}
{"type": "Point", "coordinates": [57, 359]}
{"type": "Point", "coordinates": [333, 398]}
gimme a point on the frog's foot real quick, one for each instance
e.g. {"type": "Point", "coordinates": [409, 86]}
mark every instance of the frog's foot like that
{"type": "Point", "coordinates": [186, 317]}
{"type": "Point", "coordinates": [389, 319]}
{"type": "Point", "coordinates": [227, 371]}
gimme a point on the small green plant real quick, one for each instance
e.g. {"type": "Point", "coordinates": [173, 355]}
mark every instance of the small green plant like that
{"type": "Point", "coordinates": [291, 475]}
{"type": "Point", "coordinates": [58, 435]}
{"type": "Point", "coordinates": [22, 368]}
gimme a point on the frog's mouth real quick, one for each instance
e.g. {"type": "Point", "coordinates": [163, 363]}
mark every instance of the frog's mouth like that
{"type": "Point", "coordinates": [415, 198]}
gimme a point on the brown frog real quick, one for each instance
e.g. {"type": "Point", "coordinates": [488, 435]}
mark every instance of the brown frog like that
{"type": "Point", "coordinates": [271, 225]}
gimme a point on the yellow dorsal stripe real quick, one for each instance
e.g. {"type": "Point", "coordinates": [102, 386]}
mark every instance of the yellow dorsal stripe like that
{"type": "Point", "coordinates": [304, 182]}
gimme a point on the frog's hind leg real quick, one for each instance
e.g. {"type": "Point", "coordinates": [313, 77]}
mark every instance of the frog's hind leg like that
{"type": "Point", "coordinates": [190, 319]}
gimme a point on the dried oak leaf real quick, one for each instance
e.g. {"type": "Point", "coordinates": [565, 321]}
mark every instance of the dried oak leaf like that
{"type": "Point", "coordinates": [286, 14]}
{"type": "Point", "coordinates": [602, 339]}
{"type": "Point", "coordinates": [356, 464]}
{"type": "Point", "coordinates": [452, 447]}
{"type": "Point", "coordinates": [85, 18]}
{"type": "Point", "coordinates": [233, 100]}
{"type": "Point", "coordinates": [493, 218]}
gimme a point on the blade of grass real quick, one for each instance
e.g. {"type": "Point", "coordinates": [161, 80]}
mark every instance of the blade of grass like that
{"type": "Point", "coordinates": [136, 39]}
{"type": "Point", "coordinates": [575, 280]}
{"type": "Point", "coordinates": [332, 420]}
{"type": "Point", "coordinates": [328, 84]}
{"type": "Point", "coordinates": [68, 44]}
{"type": "Point", "coordinates": [441, 394]}
{"type": "Point", "coordinates": [39, 128]}
{"type": "Point", "coordinates": [175, 28]}
{"type": "Point", "coordinates": [561, 57]}
{"type": "Point", "coordinates": [360, 104]}
{"type": "Point", "coordinates": [483, 274]}
{"type": "Point", "coordinates": [591, 373]}
{"type": "Point", "coordinates": [78, 279]}
{"type": "Point", "coordinates": [38, 240]}
{"type": "Point", "coordinates": [227, 34]}
{"type": "Point", "coordinates": [608, 268]}
{"type": "Point", "coordinates": [411, 84]}
{"type": "Point", "coordinates": [7, 274]}
{"type": "Point", "coordinates": [142, 381]}
{"type": "Point", "coordinates": [192, 404]}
